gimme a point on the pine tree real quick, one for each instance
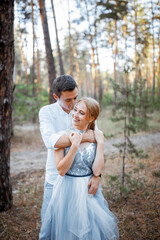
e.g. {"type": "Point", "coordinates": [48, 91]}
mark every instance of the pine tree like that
{"type": "Point", "coordinates": [61, 69]}
{"type": "Point", "coordinates": [49, 54]}
{"type": "Point", "coordinates": [6, 93]}
{"type": "Point", "coordinates": [113, 10]}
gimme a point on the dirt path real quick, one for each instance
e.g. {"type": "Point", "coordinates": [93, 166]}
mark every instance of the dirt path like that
{"type": "Point", "coordinates": [28, 151]}
{"type": "Point", "coordinates": [143, 141]}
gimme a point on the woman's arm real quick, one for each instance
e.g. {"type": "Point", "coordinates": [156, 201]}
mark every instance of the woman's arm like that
{"type": "Point", "coordinates": [98, 163]}
{"type": "Point", "coordinates": [63, 163]}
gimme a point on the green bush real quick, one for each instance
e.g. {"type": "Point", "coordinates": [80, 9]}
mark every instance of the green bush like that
{"type": "Point", "coordinates": [25, 106]}
{"type": "Point", "coordinates": [107, 99]}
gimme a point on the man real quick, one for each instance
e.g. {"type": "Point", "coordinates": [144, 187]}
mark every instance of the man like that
{"type": "Point", "coordinates": [55, 118]}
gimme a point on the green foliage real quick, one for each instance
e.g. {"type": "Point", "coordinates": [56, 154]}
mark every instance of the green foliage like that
{"type": "Point", "coordinates": [131, 106]}
{"type": "Point", "coordinates": [113, 10]}
{"type": "Point", "coordinates": [25, 106]}
{"type": "Point", "coordinates": [107, 99]}
{"type": "Point", "coordinates": [108, 136]}
{"type": "Point", "coordinates": [141, 165]}
{"type": "Point", "coordinates": [134, 106]}
{"type": "Point", "coordinates": [156, 173]}
{"type": "Point", "coordinates": [131, 185]}
{"type": "Point", "coordinates": [113, 178]}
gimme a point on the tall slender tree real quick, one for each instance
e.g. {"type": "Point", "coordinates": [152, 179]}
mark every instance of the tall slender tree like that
{"type": "Point", "coordinates": [91, 40]}
{"type": "Point", "coordinates": [153, 54]}
{"type": "Point", "coordinates": [70, 40]}
{"type": "Point", "coordinates": [24, 60]}
{"type": "Point", "coordinates": [38, 72]}
{"type": "Point", "coordinates": [61, 69]}
{"type": "Point", "coordinates": [115, 11]}
{"type": "Point", "coordinates": [158, 92]}
{"type": "Point", "coordinates": [49, 54]}
{"type": "Point", "coordinates": [33, 63]}
{"type": "Point", "coordinates": [6, 93]}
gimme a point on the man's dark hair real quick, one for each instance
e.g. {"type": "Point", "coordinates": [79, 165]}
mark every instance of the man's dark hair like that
{"type": "Point", "coordinates": [63, 83]}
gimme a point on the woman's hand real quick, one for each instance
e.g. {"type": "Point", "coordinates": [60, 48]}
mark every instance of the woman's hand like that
{"type": "Point", "coordinates": [99, 136]}
{"type": "Point", "coordinates": [75, 138]}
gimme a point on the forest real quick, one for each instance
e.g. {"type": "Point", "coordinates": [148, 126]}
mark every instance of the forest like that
{"type": "Point", "coordinates": [112, 50]}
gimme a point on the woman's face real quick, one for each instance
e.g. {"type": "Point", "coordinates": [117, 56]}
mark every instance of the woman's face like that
{"type": "Point", "coordinates": [80, 116]}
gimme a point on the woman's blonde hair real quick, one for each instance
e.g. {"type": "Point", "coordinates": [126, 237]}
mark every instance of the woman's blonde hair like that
{"type": "Point", "coordinates": [93, 108]}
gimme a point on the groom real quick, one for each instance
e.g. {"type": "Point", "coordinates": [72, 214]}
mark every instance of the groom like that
{"type": "Point", "coordinates": [54, 118]}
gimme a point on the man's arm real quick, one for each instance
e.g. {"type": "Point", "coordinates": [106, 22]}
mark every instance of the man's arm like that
{"type": "Point", "coordinates": [88, 136]}
{"type": "Point", "coordinates": [64, 141]}
{"type": "Point", "coordinates": [47, 128]}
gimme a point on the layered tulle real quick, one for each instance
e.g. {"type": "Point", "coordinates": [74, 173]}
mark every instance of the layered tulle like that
{"type": "Point", "coordinates": [73, 214]}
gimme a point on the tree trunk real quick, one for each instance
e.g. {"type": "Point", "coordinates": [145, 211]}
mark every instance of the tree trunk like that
{"type": "Point", "coordinates": [115, 61]}
{"type": "Point", "coordinates": [158, 92]}
{"type": "Point", "coordinates": [38, 71]}
{"type": "Point", "coordinates": [111, 41]}
{"type": "Point", "coordinates": [94, 72]}
{"type": "Point", "coordinates": [58, 47]}
{"type": "Point", "coordinates": [88, 89]}
{"type": "Point", "coordinates": [136, 65]}
{"type": "Point", "coordinates": [77, 64]}
{"type": "Point", "coordinates": [93, 53]}
{"type": "Point", "coordinates": [70, 42]}
{"type": "Point", "coordinates": [153, 58]}
{"type": "Point", "coordinates": [100, 85]}
{"type": "Point", "coordinates": [125, 40]}
{"type": "Point", "coordinates": [33, 63]}
{"type": "Point", "coordinates": [24, 61]}
{"type": "Point", "coordinates": [135, 31]}
{"type": "Point", "coordinates": [6, 95]}
{"type": "Point", "coordinates": [49, 55]}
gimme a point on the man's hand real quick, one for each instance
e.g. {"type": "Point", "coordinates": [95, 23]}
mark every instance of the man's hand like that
{"type": "Point", "coordinates": [99, 136]}
{"type": "Point", "coordinates": [93, 185]}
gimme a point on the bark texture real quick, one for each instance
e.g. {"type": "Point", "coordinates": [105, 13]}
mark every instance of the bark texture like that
{"type": "Point", "coordinates": [57, 39]}
{"type": "Point", "coordinates": [49, 55]}
{"type": "Point", "coordinates": [6, 93]}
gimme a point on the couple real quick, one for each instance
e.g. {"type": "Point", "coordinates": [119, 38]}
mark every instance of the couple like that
{"type": "Point", "coordinates": [73, 205]}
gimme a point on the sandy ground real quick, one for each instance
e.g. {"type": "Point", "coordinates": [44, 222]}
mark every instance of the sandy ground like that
{"type": "Point", "coordinates": [28, 151]}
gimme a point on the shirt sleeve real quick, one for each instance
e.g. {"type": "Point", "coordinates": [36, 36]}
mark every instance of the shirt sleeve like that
{"type": "Point", "coordinates": [48, 132]}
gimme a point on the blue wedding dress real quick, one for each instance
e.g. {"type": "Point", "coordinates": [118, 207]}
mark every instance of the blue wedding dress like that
{"type": "Point", "coordinates": [72, 213]}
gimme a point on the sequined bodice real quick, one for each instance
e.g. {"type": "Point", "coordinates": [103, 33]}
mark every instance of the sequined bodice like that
{"type": "Point", "coordinates": [82, 164]}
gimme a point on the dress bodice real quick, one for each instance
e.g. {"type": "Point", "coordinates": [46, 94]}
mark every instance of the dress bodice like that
{"type": "Point", "coordinates": [82, 164]}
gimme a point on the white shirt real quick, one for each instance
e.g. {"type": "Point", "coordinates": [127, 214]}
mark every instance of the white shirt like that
{"type": "Point", "coordinates": [53, 119]}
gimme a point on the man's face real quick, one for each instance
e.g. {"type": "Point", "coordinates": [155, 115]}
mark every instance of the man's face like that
{"type": "Point", "coordinates": [68, 99]}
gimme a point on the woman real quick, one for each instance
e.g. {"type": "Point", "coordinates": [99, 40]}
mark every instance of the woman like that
{"type": "Point", "coordinates": [72, 213]}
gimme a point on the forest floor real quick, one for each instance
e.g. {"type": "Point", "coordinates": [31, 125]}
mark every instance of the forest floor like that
{"type": "Point", "coordinates": [137, 207]}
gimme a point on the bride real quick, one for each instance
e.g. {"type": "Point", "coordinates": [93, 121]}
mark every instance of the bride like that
{"type": "Point", "coordinates": [72, 213]}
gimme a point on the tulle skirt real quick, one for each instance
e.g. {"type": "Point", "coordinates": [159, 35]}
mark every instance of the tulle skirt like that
{"type": "Point", "coordinates": [73, 214]}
